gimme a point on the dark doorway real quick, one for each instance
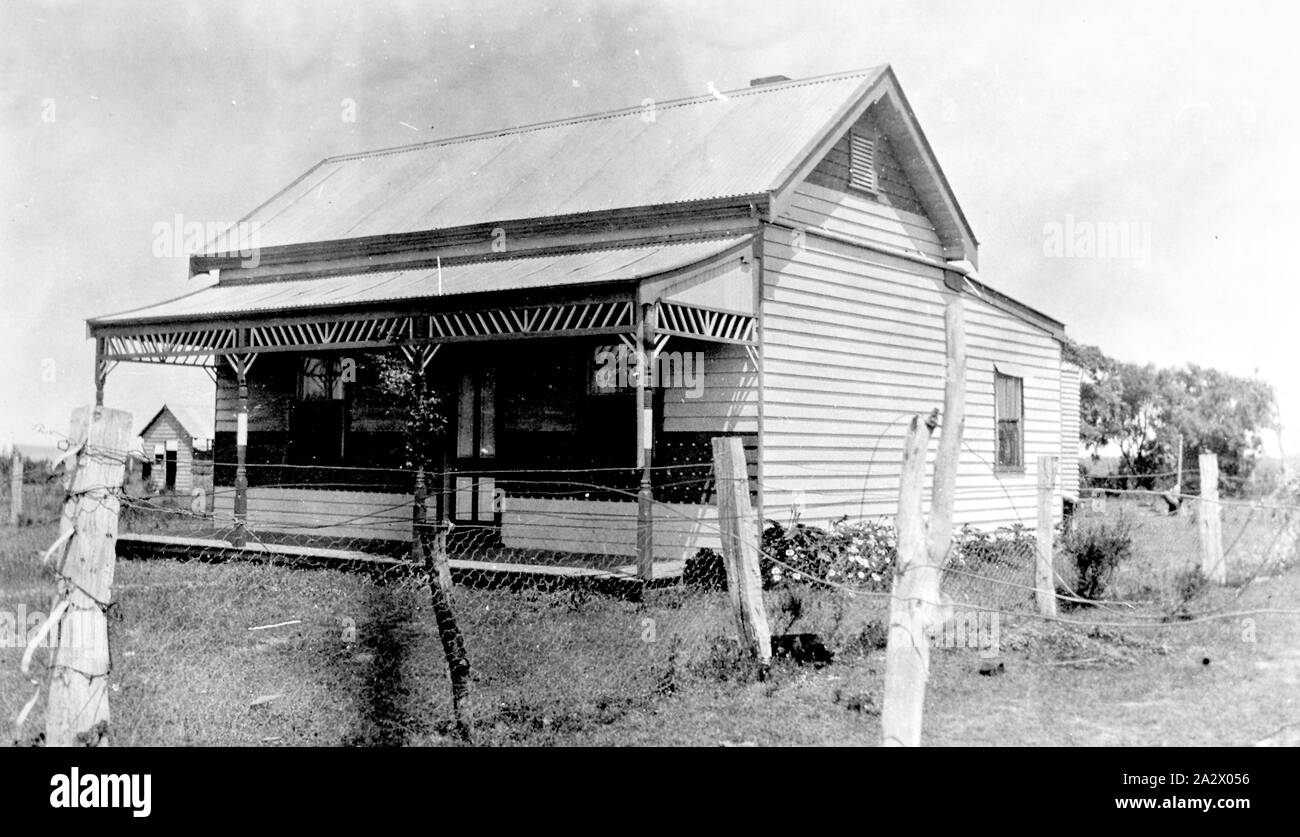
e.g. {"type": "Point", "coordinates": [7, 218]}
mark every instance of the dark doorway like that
{"type": "Point", "coordinates": [473, 491]}
{"type": "Point", "coordinates": [170, 473]}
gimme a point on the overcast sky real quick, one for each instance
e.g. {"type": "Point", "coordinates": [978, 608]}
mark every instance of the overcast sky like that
{"type": "Point", "coordinates": [1176, 120]}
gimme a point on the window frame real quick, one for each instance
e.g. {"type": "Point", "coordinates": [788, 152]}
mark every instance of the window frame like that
{"type": "Point", "coordinates": [330, 380]}
{"type": "Point", "coordinates": [998, 419]}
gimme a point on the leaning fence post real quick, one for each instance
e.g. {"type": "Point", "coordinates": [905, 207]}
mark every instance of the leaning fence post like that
{"type": "Point", "coordinates": [1044, 582]}
{"type": "Point", "coordinates": [16, 488]}
{"type": "Point", "coordinates": [738, 527]}
{"type": "Point", "coordinates": [1209, 524]}
{"type": "Point", "coordinates": [78, 703]}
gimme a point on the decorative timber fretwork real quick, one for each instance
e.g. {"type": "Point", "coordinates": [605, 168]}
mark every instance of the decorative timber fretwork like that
{"type": "Point", "coordinates": [705, 324]}
{"type": "Point", "coordinates": [102, 370]}
{"type": "Point", "coordinates": [309, 334]}
{"type": "Point", "coordinates": [160, 344]}
{"type": "Point", "coordinates": [661, 340]}
{"type": "Point", "coordinates": [241, 363]}
{"type": "Point", "coordinates": [421, 355]}
{"type": "Point", "coordinates": [190, 345]}
{"type": "Point", "coordinates": [584, 317]}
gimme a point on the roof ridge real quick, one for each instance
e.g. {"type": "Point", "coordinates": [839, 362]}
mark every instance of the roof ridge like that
{"type": "Point", "coordinates": [478, 258]}
{"type": "Point", "coordinates": [609, 114]}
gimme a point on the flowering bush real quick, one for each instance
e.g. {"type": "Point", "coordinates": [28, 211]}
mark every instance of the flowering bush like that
{"type": "Point", "coordinates": [863, 554]}
{"type": "Point", "coordinates": [859, 553]}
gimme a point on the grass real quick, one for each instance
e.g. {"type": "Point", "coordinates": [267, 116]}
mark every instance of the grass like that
{"type": "Point", "coordinates": [362, 665]}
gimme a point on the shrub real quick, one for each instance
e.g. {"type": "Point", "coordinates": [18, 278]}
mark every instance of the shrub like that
{"type": "Point", "coordinates": [863, 554]}
{"type": "Point", "coordinates": [860, 554]}
{"type": "Point", "coordinates": [800, 550]}
{"type": "Point", "coordinates": [1008, 546]}
{"type": "Point", "coordinates": [1188, 584]}
{"type": "Point", "coordinates": [874, 636]}
{"type": "Point", "coordinates": [1095, 551]}
{"type": "Point", "coordinates": [704, 570]}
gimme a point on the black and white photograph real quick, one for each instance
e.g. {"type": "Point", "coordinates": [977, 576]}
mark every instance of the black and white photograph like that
{"type": "Point", "coordinates": [650, 373]}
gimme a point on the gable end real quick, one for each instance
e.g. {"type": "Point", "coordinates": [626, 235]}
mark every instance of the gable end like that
{"type": "Point", "coordinates": [864, 163]}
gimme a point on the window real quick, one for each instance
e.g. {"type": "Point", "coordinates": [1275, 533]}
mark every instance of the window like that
{"type": "Point", "coordinates": [1008, 413]}
{"type": "Point", "coordinates": [476, 415]}
{"type": "Point", "coordinates": [862, 161]}
{"type": "Point", "coordinates": [320, 379]}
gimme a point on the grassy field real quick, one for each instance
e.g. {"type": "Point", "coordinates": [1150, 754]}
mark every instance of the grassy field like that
{"type": "Point", "coordinates": [361, 663]}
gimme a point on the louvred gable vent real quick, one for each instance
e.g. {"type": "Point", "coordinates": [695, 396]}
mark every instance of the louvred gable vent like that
{"type": "Point", "coordinates": [862, 161]}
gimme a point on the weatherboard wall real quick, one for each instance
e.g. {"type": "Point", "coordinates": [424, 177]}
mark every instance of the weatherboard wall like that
{"type": "Point", "coordinates": [1071, 377]}
{"type": "Point", "coordinates": [589, 527]}
{"type": "Point", "coordinates": [853, 346]}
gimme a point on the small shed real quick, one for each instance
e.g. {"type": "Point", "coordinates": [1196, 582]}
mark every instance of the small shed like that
{"type": "Point", "coordinates": [177, 447]}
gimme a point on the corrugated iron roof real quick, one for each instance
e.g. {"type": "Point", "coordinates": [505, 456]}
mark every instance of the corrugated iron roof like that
{"type": "Point", "coordinates": [523, 273]}
{"type": "Point", "coordinates": [730, 144]}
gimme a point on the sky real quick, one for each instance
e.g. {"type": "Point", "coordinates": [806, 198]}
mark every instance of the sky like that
{"type": "Point", "coordinates": [1172, 122]}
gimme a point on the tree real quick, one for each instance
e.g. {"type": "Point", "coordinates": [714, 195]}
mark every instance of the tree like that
{"type": "Point", "coordinates": [1143, 411]}
{"type": "Point", "coordinates": [404, 377]}
{"type": "Point", "coordinates": [405, 380]}
{"type": "Point", "coordinates": [1221, 414]}
{"type": "Point", "coordinates": [1119, 404]}
{"type": "Point", "coordinates": [1099, 394]}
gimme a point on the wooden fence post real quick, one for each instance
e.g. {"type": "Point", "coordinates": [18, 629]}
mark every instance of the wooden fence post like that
{"type": "Point", "coordinates": [1044, 576]}
{"type": "Point", "coordinates": [917, 602]}
{"type": "Point", "coordinates": [78, 704]}
{"type": "Point", "coordinates": [16, 488]}
{"type": "Point", "coordinates": [740, 555]}
{"type": "Point", "coordinates": [1209, 524]}
{"type": "Point", "coordinates": [907, 655]}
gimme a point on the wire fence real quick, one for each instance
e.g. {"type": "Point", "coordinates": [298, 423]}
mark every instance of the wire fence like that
{"type": "Point", "coordinates": [321, 626]}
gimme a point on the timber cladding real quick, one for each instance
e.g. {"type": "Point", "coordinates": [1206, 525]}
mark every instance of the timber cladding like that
{"type": "Point", "coordinates": [854, 344]}
{"type": "Point", "coordinates": [892, 186]}
{"type": "Point", "coordinates": [537, 524]}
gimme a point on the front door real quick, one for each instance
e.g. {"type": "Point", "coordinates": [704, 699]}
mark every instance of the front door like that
{"type": "Point", "coordinates": [474, 500]}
